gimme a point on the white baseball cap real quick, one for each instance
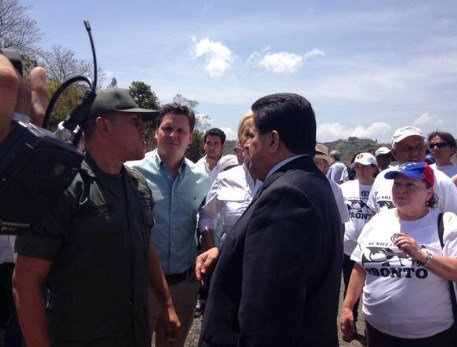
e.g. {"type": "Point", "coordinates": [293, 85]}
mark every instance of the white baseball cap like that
{"type": "Point", "coordinates": [381, 151]}
{"type": "Point", "coordinates": [404, 132]}
{"type": "Point", "coordinates": [365, 159]}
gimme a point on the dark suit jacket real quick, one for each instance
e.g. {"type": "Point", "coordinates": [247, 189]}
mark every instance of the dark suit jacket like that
{"type": "Point", "coordinates": [278, 275]}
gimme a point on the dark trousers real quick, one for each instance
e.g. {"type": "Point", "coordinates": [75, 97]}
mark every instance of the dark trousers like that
{"type": "Point", "coordinates": [375, 338]}
{"type": "Point", "coordinates": [13, 334]}
{"type": "Point", "coordinates": [348, 264]}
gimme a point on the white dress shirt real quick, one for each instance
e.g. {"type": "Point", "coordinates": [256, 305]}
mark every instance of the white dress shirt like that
{"type": "Point", "coordinates": [229, 196]}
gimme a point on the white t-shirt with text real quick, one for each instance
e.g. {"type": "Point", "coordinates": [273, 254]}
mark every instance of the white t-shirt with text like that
{"type": "Point", "coordinates": [401, 297]}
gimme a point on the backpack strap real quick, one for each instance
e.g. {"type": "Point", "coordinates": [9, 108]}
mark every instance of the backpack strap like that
{"type": "Point", "coordinates": [451, 283]}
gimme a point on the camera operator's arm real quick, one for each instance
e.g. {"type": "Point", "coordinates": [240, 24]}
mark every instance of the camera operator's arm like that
{"type": "Point", "coordinates": [28, 278]}
{"type": "Point", "coordinates": [15, 96]}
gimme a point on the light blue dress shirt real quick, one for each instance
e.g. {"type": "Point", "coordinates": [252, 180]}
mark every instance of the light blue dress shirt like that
{"type": "Point", "coordinates": [175, 211]}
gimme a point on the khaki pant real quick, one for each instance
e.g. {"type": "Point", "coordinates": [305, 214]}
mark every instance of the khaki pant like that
{"type": "Point", "coordinates": [184, 296]}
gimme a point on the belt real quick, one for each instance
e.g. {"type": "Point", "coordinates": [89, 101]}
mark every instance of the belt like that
{"type": "Point", "coordinates": [177, 278]}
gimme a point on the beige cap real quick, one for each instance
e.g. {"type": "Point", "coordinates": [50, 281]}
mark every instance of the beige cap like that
{"type": "Point", "coordinates": [322, 152]}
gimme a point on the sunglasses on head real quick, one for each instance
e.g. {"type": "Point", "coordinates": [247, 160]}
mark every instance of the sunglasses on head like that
{"type": "Point", "coordinates": [438, 144]}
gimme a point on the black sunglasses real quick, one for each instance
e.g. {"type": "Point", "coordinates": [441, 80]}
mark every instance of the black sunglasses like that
{"type": "Point", "coordinates": [438, 144]}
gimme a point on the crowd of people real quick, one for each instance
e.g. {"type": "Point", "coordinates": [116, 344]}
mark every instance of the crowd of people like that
{"type": "Point", "coordinates": [256, 241]}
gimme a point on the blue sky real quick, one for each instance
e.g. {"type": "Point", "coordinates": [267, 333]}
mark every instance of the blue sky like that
{"type": "Point", "coordinates": [368, 67]}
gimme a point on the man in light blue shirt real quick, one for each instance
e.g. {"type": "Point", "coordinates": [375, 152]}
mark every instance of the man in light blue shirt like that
{"type": "Point", "coordinates": [179, 188]}
{"type": "Point", "coordinates": [335, 170]}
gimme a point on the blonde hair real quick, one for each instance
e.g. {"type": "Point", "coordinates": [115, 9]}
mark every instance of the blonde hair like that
{"type": "Point", "coordinates": [246, 117]}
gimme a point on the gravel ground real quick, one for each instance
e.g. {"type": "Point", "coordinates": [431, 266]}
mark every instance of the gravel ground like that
{"type": "Point", "coordinates": [192, 338]}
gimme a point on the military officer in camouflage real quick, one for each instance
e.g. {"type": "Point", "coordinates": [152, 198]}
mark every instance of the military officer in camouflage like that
{"type": "Point", "coordinates": [93, 251]}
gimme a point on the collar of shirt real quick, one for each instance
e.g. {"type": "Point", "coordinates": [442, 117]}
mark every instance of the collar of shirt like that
{"type": "Point", "coordinates": [282, 163]}
{"type": "Point", "coordinates": [163, 165]}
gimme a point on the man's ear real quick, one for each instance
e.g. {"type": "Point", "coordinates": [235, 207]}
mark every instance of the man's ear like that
{"type": "Point", "coordinates": [393, 153]}
{"type": "Point", "coordinates": [102, 125]}
{"type": "Point", "coordinates": [154, 137]}
{"type": "Point", "coordinates": [274, 141]}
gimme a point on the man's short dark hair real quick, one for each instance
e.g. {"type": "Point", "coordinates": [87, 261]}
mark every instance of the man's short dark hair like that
{"type": "Point", "coordinates": [292, 116]}
{"type": "Point", "coordinates": [215, 132]}
{"type": "Point", "coordinates": [447, 137]}
{"type": "Point", "coordinates": [335, 155]}
{"type": "Point", "coordinates": [177, 109]}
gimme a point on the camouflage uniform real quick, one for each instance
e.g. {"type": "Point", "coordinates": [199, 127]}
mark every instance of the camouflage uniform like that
{"type": "Point", "coordinates": [97, 238]}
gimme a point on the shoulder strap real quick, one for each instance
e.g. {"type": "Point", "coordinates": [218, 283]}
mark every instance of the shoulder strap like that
{"type": "Point", "coordinates": [441, 229]}
{"type": "Point", "coordinates": [451, 283]}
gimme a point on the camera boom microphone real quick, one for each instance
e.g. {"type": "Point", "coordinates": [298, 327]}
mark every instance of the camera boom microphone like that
{"type": "Point", "coordinates": [36, 165]}
{"type": "Point", "coordinates": [77, 116]}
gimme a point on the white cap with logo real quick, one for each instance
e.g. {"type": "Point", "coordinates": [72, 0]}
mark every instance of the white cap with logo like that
{"type": "Point", "coordinates": [404, 132]}
{"type": "Point", "coordinates": [365, 159]}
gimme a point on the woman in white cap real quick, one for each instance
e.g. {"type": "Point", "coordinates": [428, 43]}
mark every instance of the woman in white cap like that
{"type": "Point", "coordinates": [355, 195]}
{"type": "Point", "coordinates": [402, 268]}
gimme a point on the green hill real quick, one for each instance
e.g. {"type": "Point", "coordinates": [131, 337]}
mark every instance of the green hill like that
{"type": "Point", "coordinates": [347, 148]}
{"type": "Point", "coordinates": [353, 145]}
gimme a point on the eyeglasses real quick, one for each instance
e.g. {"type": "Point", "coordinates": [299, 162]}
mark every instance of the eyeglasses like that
{"type": "Point", "coordinates": [238, 150]}
{"type": "Point", "coordinates": [438, 144]}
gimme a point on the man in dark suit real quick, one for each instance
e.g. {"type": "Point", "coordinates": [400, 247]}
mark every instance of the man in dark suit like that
{"type": "Point", "coordinates": [277, 279]}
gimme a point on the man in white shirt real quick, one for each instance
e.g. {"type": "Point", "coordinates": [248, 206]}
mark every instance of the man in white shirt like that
{"type": "Point", "coordinates": [408, 145]}
{"type": "Point", "coordinates": [213, 162]}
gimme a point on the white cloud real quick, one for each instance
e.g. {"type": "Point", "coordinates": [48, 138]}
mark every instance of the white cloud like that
{"type": "Point", "coordinates": [424, 118]}
{"type": "Point", "coordinates": [218, 57]}
{"type": "Point", "coordinates": [315, 52]}
{"type": "Point", "coordinates": [427, 119]}
{"type": "Point", "coordinates": [380, 131]}
{"type": "Point", "coordinates": [281, 62]}
{"type": "Point", "coordinates": [229, 133]}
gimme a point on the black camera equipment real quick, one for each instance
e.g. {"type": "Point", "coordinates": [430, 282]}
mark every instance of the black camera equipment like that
{"type": "Point", "coordinates": [36, 165]}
